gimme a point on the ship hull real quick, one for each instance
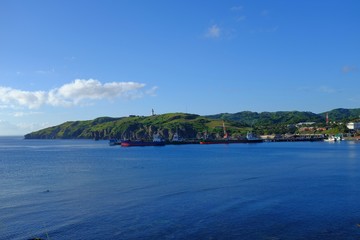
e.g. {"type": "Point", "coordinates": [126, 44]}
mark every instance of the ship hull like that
{"type": "Point", "coordinates": [141, 144]}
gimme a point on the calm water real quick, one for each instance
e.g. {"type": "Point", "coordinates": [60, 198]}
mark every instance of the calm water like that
{"type": "Point", "coordinates": [79, 189]}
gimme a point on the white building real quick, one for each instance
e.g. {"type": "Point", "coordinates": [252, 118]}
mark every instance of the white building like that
{"type": "Point", "coordinates": [304, 124]}
{"type": "Point", "coordinates": [353, 125]}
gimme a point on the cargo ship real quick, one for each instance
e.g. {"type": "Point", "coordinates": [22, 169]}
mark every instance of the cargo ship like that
{"type": "Point", "coordinates": [251, 138]}
{"type": "Point", "coordinates": [157, 141]}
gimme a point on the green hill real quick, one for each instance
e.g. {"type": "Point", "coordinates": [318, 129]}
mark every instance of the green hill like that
{"type": "Point", "coordinates": [342, 114]}
{"type": "Point", "coordinates": [190, 126]}
{"type": "Point", "coordinates": [269, 118]}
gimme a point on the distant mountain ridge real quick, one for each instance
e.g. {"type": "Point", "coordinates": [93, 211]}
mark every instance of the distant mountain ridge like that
{"type": "Point", "coordinates": [190, 126]}
{"type": "Point", "coordinates": [267, 118]}
{"type": "Point", "coordinates": [343, 114]}
{"type": "Point", "coordinates": [290, 117]}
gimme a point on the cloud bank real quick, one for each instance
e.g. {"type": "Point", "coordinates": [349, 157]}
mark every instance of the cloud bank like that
{"type": "Point", "coordinates": [75, 93]}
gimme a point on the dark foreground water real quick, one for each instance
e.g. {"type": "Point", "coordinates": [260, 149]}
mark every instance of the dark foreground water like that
{"type": "Point", "coordinates": [75, 189]}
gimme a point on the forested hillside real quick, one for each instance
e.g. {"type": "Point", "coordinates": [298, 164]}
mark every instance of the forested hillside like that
{"type": "Point", "coordinates": [190, 126]}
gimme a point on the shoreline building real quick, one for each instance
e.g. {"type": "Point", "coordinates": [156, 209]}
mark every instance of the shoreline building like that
{"type": "Point", "coordinates": [353, 125]}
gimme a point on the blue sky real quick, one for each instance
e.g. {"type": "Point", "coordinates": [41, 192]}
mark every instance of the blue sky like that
{"type": "Point", "coordinates": [78, 60]}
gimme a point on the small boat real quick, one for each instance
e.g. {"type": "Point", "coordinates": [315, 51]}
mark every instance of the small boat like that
{"type": "Point", "coordinates": [157, 141]}
{"type": "Point", "coordinates": [336, 138]}
{"type": "Point", "coordinates": [330, 139]}
{"type": "Point", "coordinates": [251, 138]}
{"type": "Point", "coordinates": [178, 140]}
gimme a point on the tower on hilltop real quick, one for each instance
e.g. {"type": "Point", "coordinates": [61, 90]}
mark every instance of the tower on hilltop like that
{"type": "Point", "coordinates": [327, 118]}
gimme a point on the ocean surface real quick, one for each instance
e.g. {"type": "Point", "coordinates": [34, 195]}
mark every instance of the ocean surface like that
{"type": "Point", "coordinates": [83, 189]}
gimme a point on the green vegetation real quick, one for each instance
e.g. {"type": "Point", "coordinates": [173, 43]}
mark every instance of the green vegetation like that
{"type": "Point", "coordinates": [192, 126]}
{"type": "Point", "coordinates": [269, 118]}
{"type": "Point", "coordinates": [188, 126]}
{"type": "Point", "coordinates": [342, 114]}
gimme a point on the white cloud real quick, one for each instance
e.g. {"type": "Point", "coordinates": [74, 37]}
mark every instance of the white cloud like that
{"type": "Point", "coordinates": [93, 89]}
{"type": "Point", "coordinates": [74, 93]}
{"type": "Point", "coordinates": [11, 97]}
{"type": "Point", "coordinates": [213, 32]}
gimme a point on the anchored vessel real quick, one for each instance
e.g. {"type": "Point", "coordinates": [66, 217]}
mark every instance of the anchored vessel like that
{"type": "Point", "coordinates": [157, 141]}
{"type": "Point", "coordinates": [251, 138]}
{"type": "Point", "coordinates": [336, 138]}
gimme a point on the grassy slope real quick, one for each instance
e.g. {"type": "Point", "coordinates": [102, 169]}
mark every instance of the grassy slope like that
{"type": "Point", "coordinates": [137, 127]}
{"type": "Point", "coordinates": [187, 125]}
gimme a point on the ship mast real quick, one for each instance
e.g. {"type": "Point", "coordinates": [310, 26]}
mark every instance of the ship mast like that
{"type": "Point", "coordinates": [225, 133]}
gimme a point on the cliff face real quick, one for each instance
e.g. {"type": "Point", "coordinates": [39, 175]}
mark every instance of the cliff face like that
{"type": "Point", "coordinates": [190, 126]}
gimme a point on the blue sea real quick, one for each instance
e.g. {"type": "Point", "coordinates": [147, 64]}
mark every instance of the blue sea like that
{"type": "Point", "coordinates": [83, 189]}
